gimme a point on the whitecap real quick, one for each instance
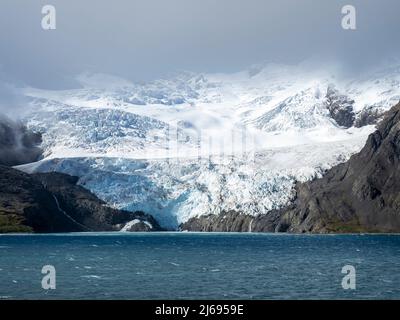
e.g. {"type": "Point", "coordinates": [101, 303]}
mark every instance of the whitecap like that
{"type": "Point", "coordinates": [91, 276]}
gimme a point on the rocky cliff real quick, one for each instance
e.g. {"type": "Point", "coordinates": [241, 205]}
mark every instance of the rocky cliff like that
{"type": "Point", "coordinates": [52, 202]}
{"type": "Point", "coordinates": [18, 145]}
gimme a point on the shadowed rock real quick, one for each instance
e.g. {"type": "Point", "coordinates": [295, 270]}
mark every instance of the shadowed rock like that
{"type": "Point", "coordinates": [340, 108]}
{"type": "Point", "coordinates": [52, 202]}
{"type": "Point", "coordinates": [18, 145]}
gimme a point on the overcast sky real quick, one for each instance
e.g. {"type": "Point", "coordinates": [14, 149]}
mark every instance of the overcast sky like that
{"type": "Point", "coordinates": [146, 39]}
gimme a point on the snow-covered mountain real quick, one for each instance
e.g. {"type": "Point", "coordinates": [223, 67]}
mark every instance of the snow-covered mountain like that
{"type": "Point", "coordinates": [200, 144]}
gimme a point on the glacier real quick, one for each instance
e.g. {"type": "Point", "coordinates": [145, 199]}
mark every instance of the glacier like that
{"type": "Point", "coordinates": [198, 144]}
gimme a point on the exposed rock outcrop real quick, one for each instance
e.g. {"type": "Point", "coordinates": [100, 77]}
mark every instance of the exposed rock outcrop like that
{"type": "Point", "coordinates": [368, 116]}
{"type": "Point", "coordinates": [18, 145]}
{"type": "Point", "coordinates": [340, 108]}
{"type": "Point", "coordinates": [52, 202]}
{"type": "Point", "coordinates": [232, 222]}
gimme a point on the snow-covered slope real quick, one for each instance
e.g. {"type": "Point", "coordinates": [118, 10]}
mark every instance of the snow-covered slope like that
{"type": "Point", "coordinates": [200, 144]}
{"type": "Point", "coordinates": [69, 130]}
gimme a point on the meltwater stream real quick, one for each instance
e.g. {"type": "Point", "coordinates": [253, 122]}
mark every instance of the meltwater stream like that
{"type": "Point", "coordinates": [199, 266]}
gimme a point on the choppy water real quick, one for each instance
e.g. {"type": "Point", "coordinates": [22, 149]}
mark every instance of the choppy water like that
{"type": "Point", "coordinates": [199, 266]}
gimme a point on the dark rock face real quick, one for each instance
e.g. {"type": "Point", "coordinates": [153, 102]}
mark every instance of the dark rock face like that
{"type": "Point", "coordinates": [361, 195]}
{"type": "Point", "coordinates": [232, 222]}
{"type": "Point", "coordinates": [26, 206]}
{"type": "Point", "coordinates": [18, 145]}
{"type": "Point", "coordinates": [52, 202]}
{"type": "Point", "coordinates": [340, 108]}
{"type": "Point", "coordinates": [367, 117]}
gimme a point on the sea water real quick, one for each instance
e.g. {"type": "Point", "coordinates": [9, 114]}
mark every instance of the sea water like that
{"type": "Point", "coordinates": [199, 266]}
